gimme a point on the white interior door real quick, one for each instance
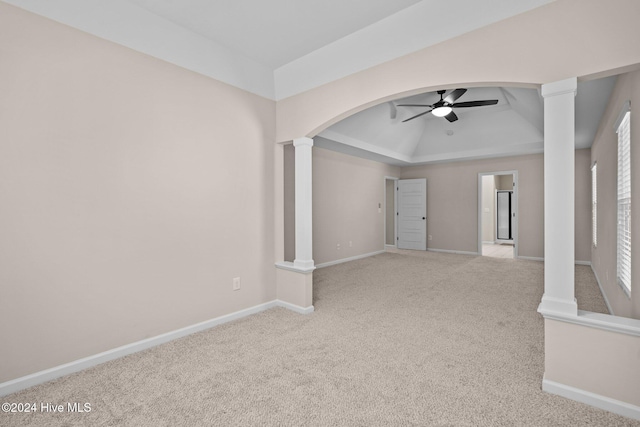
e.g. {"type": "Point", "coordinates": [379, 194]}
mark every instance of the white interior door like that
{"type": "Point", "coordinates": [412, 214]}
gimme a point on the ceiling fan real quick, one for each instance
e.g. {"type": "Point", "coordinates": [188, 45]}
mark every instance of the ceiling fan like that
{"type": "Point", "coordinates": [444, 107]}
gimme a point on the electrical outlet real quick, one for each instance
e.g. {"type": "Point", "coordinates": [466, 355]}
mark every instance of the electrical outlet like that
{"type": "Point", "coordinates": [236, 283]}
{"type": "Point", "coordinates": [338, 246]}
{"type": "Point", "coordinates": [430, 237]}
{"type": "Point", "coordinates": [350, 244]}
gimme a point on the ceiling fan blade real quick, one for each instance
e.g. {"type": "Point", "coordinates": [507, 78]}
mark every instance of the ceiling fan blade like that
{"type": "Point", "coordinates": [475, 103]}
{"type": "Point", "coordinates": [414, 105]}
{"type": "Point", "coordinates": [451, 98]}
{"type": "Point", "coordinates": [451, 117]}
{"type": "Point", "coordinates": [416, 116]}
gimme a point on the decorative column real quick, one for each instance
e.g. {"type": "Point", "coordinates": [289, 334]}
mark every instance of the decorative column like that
{"type": "Point", "coordinates": [294, 280]}
{"type": "Point", "coordinates": [303, 204]}
{"type": "Point", "coordinates": [559, 188]}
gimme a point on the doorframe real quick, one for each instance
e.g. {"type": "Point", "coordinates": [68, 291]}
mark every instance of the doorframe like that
{"type": "Point", "coordinates": [395, 209]}
{"type": "Point", "coordinates": [516, 191]}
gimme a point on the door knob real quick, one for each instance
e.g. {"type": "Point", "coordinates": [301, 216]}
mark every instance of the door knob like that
{"type": "Point", "coordinates": [424, 217]}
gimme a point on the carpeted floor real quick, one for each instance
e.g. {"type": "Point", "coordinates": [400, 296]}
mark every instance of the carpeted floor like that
{"type": "Point", "coordinates": [420, 339]}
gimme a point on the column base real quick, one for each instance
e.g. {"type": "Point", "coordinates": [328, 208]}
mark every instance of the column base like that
{"type": "Point", "coordinates": [306, 264]}
{"type": "Point", "coordinates": [551, 305]}
{"type": "Point", "coordinates": [295, 287]}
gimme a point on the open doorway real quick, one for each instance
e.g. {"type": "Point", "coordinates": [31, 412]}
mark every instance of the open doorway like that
{"type": "Point", "coordinates": [497, 219]}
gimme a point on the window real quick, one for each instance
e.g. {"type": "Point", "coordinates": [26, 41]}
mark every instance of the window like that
{"type": "Point", "coordinates": [594, 204]}
{"type": "Point", "coordinates": [624, 201]}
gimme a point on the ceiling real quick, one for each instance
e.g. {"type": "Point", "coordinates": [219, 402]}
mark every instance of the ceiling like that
{"type": "Point", "coordinates": [514, 126]}
{"type": "Point", "coordinates": [279, 48]}
{"type": "Point", "coordinates": [274, 32]}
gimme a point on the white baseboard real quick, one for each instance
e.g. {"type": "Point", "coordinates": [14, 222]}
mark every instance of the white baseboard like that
{"type": "Point", "coordinates": [535, 258]}
{"type": "Point", "coordinates": [448, 251]}
{"type": "Point", "coordinates": [40, 377]}
{"type": "Point", "coordinates": [608, 404]}
{"type": "Point", "coordinates": [296, 308]}
{"type": "Point", "coordinates": [531, 258]}
{"type": "Point", "coordinates": [353, 258]}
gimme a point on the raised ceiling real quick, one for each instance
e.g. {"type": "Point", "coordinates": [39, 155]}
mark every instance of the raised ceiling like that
{"type": "Point", "coordinates": [274, 32]}
{"type": "Point", "coordinates": [514, 126]}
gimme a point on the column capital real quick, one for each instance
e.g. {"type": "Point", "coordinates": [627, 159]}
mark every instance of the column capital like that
{"type": "Point", "coordinates": [303, 142]}
{"type": "Point", "coordinates": [561, 87]}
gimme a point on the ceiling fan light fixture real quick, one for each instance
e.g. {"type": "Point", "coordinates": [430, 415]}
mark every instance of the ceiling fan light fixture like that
{"type": "Point", "coordinates": [441, 111]}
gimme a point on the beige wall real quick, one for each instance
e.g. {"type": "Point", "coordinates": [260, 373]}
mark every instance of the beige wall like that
{"type": "Point", "coordinates": [132, 191]}
{"type": "Point", "coordinates": [594, 360]}
{"type": "Point", "coordinates": [582, 202]}
{"type": "Point", "coordinates": [605, 152]}
{"type": "Point", "coordinates": [453, 197]}
{"type": "Point", "coordinates": [340, 217]}
{"type": "Point", "coordinates": [453, 202]}
{"type": "Point", "coordinates": [504, 182]}
{"type": "Point", "coordinates": [346, 193]}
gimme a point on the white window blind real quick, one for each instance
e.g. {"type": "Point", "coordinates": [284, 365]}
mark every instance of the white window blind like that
{"type": "Point", "coordinates": [594, 204]}
{"type": "Point", "coordinates": [624, 203]}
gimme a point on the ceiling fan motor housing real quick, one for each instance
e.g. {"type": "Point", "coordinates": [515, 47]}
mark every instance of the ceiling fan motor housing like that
{"type": "Point", "coordinates": [444, 107]}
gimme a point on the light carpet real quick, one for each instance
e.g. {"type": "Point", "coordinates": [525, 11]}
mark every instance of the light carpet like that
{"type": "Point", "coordinates": [418, 339]}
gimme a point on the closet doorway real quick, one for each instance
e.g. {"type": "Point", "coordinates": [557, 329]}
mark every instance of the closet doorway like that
{"type": "Point", "coordinates": [497, 214]}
